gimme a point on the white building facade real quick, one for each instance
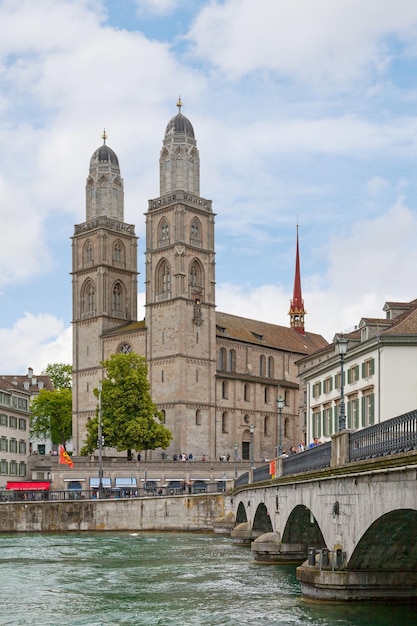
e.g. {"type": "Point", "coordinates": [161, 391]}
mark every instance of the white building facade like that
{"type": "Point", "coordinates": [379, 374]}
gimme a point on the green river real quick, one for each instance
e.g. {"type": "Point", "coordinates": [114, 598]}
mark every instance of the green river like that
{"type": "Point", "coordinates": [156, 578]}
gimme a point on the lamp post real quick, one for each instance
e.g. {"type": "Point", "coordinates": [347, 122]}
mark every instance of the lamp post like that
{"type": "Point", "coordinates": [236, 447]}
{"type": "Point", "coordinates": [251, 430]}
{"type": "Point", "coordinates": [341, 349]}
{"type": "Point", "coordinates": [100, 443]}
{"type": "Point", "coordinates": [280, 405]}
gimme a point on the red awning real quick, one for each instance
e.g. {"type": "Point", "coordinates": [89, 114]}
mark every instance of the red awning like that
{"type": "Point", "coordinates": [28, 486]}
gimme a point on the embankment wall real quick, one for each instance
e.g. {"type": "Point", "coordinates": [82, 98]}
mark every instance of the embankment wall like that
{"type": "Point", "coordinates": [187, 513]}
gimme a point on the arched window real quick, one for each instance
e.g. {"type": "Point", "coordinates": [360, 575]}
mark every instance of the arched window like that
{"type": "Point", "coordinates": [195, 274]}
{"type": "Point", "coordinates": [266, 395]}
{"type": "Point", "coordinates": [225, 423]}
{"type": "Point", "coordinates": [270, 367]}
{"type": "Point", "coordinates": [267, 425]}
{"type": "Point", "coordinates": [286, 427]}
{"type": "Point", "coordinates": [246, 392]}
{"type": "Point", "coordinates": [222, 359]}
{"type": "Point", "coordinates": [163, 417]}
{"type": "Point", "coordinates": [232, 361]}
{"type": "Point", "coordinates": [117, 299]}
{"type": "Point", "coordinates": [88, 297]}
{"type": "Point", "coordinates": [198, 417]}
{"type": "Point", "coordinates": [118, 251]}
{"type": "Point", "coordinates": [195, 230]}
{"type": "Point", "coordinates": [88, 252]}
{"type": "Point", "coordinates": [225, 389]}
{"type": "Point", "coordinates": [163, 235]}
{"type": "Point", "coordinates": [262, 365]}
{"type": "Point", "coordinates": [163, 286]}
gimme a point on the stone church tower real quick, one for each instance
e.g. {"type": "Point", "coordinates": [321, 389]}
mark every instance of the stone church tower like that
{"type": "Point", "coordinates": [180, 291]}
{"type": "Point", "coordinates": [215, 377]}
{"type": "Point", "coordinates": [104, 279]}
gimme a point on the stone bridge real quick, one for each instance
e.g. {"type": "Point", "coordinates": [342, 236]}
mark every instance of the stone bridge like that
{"type": "Point", "coordinates": [354, 525]}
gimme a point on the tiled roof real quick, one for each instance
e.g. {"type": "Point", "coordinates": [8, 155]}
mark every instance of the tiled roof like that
{"type": "Point", "coordinates": [125, 328]}
{"type": "Point", "coordinates": [268, 335]}
{"type": "Point", "coordinates": [405, 324]}
{"type": "Point", "coordinates": [17, 382]}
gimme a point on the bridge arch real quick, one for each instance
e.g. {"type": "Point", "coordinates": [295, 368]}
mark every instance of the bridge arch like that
{"type": "Point", "coordinates": [262, 520]}
{"type": "Point", "coordinates": [389, 544]}
{"type": "Point", "coordinates": [302, 527]}
{"type": "Point", "coordinates": [241, 516]}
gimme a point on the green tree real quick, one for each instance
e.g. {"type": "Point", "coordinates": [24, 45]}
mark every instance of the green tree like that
{"type": "Point", "coordinates": [130, 419]}
{"type": "Point", "coordinates": [60, 375]}
{"type": "Point", "coordinates": [51, 415]}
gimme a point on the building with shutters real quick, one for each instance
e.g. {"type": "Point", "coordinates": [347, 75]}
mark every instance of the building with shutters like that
{"type": "Point", "coordinates": [380, 374]}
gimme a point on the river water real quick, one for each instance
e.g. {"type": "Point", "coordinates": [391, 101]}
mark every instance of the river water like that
{"type": "Point", "coordinates": [159, 579]}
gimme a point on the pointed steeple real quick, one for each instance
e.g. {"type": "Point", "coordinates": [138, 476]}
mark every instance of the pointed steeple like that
{"type": "Point", "coordinates": [297, 311]}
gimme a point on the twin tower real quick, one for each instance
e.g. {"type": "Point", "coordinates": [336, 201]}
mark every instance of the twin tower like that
{"type": "Point", "coordinates": [179, 336]}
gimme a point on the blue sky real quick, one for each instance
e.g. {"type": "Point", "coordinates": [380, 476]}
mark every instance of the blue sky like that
{"type": "Point", "coordinates": [303, 112]}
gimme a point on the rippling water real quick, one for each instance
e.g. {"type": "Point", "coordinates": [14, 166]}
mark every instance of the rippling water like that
{"type": "Point", "coordinates": [160, 579]}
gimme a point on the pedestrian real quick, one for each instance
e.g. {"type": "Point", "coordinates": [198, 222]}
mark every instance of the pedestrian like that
{"type": "Point", "coordinates": [139, 457]}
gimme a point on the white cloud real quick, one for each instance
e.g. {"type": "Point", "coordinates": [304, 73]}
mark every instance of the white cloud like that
{"type": "Point", "coordinates": [34, 341]}
{"type": "Point", "coordinates": [157, 7]}
{"type": "Point", "coordinates": [316, 41]}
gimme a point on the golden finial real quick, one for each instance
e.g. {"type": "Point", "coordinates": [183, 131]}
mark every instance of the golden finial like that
{"type": "Point", "coordinates": [104, 136]}
{"type": "Point", "coordinates": [179, 104]}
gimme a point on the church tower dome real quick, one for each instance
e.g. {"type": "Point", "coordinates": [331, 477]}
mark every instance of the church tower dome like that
{"type": "Point", "coordinates": [179, 162]}
{"type": "Point", "coordinates": [104, 189]}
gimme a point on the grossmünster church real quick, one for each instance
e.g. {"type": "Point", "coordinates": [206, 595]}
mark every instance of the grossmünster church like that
{"type": "Point", "coordinates": [214, 376]}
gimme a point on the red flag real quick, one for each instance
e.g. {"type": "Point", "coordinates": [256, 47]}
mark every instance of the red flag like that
{"type": "Point", "coordinates": [64, 457]}
{"type": "Point", "coordinates": [273, 468]}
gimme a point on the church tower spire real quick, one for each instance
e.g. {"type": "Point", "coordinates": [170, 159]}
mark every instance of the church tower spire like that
{"type": "Point", "coordinates": [297, 311]}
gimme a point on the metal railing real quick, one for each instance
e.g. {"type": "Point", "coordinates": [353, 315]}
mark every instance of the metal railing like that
{"type": "Point", "coordinates": [315, 458]}
{"type": "Point", "coordinates": [27, 495]}
{"type": "Point", "coordinates": [393, 436]}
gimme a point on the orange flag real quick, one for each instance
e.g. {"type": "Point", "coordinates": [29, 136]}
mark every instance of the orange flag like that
{"type": "Point", "coordinates": [64, 457]}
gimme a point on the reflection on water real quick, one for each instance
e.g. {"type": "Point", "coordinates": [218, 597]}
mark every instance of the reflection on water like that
{"type": "Point", "coordinates": [98, 579]}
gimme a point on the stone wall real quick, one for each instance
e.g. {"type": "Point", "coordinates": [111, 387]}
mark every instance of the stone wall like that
{"type": "Point", "coordinates": [185, 513]}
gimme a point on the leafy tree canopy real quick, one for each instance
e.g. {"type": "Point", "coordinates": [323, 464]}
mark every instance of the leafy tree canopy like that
{"type": "Point", "coordinates": [51, 415]}
{"type": "Point", "coordinates": [130, 419]}
{"type": "Point", "coordinates": [60, 374]}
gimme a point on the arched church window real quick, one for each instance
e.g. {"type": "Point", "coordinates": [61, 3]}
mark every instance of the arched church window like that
{"type": "Point", "coordinates": [88, 252]}
{"type": "Point", "coordinates": [164, 279]}
{"type": "Point", "coordinates": [222, 359]}
{"type": "Point", "coordinates": [117, 298]}
{"type": "Point", "coordinates": [195, 230]}
{"type": "Point", "coordinates": [163, 231]}
{"type": "Point", "coordinates": [195, 274]}
{"type": "Point", "coordinates": [225, 423]}
{"type": "Point", "coordinates": [262, 365]}
{"type": "Point", "coordinates": [117, 251]}
{"type": "Point", "coordinates": [232, 361]}
{"type": "Point", "coordinates": [88, 297]}
{"type": "Point", "coordinates": [270, 367]}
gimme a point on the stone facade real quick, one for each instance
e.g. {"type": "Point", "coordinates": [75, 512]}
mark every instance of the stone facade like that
{"type": "Point", "coordinates": [211, 374]}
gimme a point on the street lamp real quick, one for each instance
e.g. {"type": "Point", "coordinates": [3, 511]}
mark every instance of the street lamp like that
{"type": "Point", "coordinates": [236, 447]}
{"type": "Point", "coordinates": [251, 430]}
{"type": "Point", "coordinates": [280, 405]}
{"type": "Point", "coordinates": [100, 442]}
{"type": "Point", "coordinates": [341, 349]}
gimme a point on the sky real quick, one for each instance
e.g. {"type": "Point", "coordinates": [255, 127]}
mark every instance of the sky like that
{"type": "Point", "coordinates": [305, 112]}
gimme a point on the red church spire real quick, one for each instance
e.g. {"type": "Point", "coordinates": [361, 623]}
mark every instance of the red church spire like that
{"type": "Point", "coordinates": [297, 311]}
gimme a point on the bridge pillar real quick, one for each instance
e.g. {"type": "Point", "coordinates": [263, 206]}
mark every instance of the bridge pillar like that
{"type": "Point", "coordinates": [268, 548]}
{"type": "Point", "coordinates": [340, 449]}
{"type": "Point", "coordinates": [320, 582]}
{"type": "Point", "coordinates": [243, 534]}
